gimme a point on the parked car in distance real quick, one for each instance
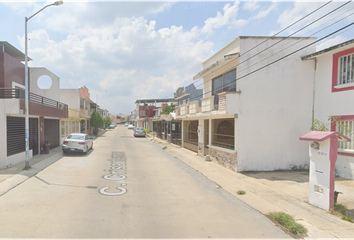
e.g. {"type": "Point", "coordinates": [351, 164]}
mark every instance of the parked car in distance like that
{"type": "Point", "coordinates": [77, 142]}
{"type": "Point", "coordinates": [126, 124]}
{"type": "Point", "coordinates": [111, 126]}
{"type": "Point", "coordinates": [139, 132]}
{"type": "Point", "coordinates": [130, 126]}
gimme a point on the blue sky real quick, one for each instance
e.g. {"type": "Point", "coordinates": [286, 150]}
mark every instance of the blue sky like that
{"type": "Point", "coordinates": [141, 50]}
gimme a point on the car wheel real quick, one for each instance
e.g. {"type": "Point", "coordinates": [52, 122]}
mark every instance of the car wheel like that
{"type": "Point", "coordinates": [85, 152]}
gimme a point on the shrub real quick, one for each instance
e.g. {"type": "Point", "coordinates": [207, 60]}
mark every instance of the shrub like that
{"type": "Point", "coordinates": [288, 223]}
{"type": "Point", "coordinates": [241, 192]}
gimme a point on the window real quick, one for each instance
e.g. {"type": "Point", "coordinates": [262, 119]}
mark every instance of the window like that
{"type": "Point", "coordinates": [343, 71]}
{"type": "Point", "coordinates": [191, 134]}
{"type": "Point", "coordinates": [223, 133]}
{"type": "Point", "coordinates": [346, 67]}
{"type": "Point", "coordinates": [345, 126]}
{"type": "Point", "coordinates": [223, 83]}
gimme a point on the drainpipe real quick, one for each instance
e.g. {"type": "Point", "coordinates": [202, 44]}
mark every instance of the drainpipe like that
{"type": "Point", "coordinates": [314, 91]}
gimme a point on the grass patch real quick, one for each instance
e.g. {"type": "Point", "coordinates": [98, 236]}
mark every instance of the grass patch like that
{"type": "Point", "coordinates": [164, 147]}
{"type": "Point", "coordinates": [342, 211]}
{"type": "Point", "coordinates": [288, 224]}
{"type": "Point", "coordinates": [241, 192]}
{"type": "Point", "coordinates": [348, 219]}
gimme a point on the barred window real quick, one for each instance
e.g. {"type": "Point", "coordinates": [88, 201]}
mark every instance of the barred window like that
{"type": "Point", "coordinates": [223, 133]}
{"type": "Point", "coordinates": [346, 69]}
{"type": "Point", "coordinates": [347, 129]}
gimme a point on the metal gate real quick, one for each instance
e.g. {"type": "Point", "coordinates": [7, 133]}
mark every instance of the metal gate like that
{"type": "Point", "coordinates": [190, 135]}
{"type": "Point", "coordinates": [176, 133]}
{"type": "Point", "coordinates": [157, 129]}
{"type": "Point", "coordinates": [51, 132]}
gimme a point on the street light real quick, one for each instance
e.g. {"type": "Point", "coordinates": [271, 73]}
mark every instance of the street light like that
{"type": "Point", "coordinates": [26, 83]}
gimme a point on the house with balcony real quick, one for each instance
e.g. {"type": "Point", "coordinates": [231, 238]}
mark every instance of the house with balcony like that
{"type": "Point", "coordinates": [44, 108]}
{"type": "Point", "coordinates": [333, 97]}
{"type": "Point", "coordinates": [146, 111]}
{"type": "Point", "coordinates": [254, 105]}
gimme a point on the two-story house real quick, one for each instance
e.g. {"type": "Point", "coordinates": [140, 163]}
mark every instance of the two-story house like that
{"type": "Point", "coordinates": [257, 101]}
{"type": "Point", "coordinates": [44, 108]}
{"type": "Point", "coordinates": [334, 97]}
{"type": "Point", "coordinates": [81, 108]}
{"type": "Point", "coordinates": [145, 111]}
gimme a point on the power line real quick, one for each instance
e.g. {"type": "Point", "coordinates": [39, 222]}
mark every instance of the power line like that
{"type": "Point", "coordinates": [283, 31]}
{"type": "Point", "coordinates": [271, 63]}
{"type": "Point", "coordinates": [284, 39]}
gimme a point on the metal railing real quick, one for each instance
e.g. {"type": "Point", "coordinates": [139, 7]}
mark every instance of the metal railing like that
{"type": "Point", "coordinates": [18, 93]}
{"type": "Point", "coordinates": [12, 93]}
{"type": "Point", "coordinates": [223, 140]}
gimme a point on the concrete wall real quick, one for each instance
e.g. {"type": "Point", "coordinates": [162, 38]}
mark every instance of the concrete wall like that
{"type": "Point", "coordinates": [51, 93]}
{"type": "Point", "coordinates": [11, 70]}
{"type": "Point", "coordinates": [328, 104]}
{"type": "Point", "coordinates": [71, 97]}
{"type": "Point", "coordinates": [232, 47]}
{"type": "Point", "coordinates": [274, 107]}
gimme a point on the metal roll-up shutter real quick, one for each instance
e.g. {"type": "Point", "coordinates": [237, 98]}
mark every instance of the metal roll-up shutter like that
{"type": "Point", "coordinates": [51, 132]}
{"type": "Point", "coordinates": [16, 142]}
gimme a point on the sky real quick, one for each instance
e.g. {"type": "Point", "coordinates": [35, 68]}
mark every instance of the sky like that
{"type": "Point", "coordinates": [123, 51]}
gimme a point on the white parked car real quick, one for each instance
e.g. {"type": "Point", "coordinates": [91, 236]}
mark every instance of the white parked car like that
{"type": "Point", "coordinates": [126, 124]}
{"type": "Point", "coordinates": [77, 142]}
{"type": "Point", "coordinates": [130, 126]}
{"type": "Point", "coordinates": [139, 132]}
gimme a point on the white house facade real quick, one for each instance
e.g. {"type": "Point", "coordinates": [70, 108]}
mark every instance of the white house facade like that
{"type": "Point", "coordinates": [71, 124]}
{"type": "Point", "coordinates": [256, 103]}
{"type": "Point", "coordinates": [334, 98]}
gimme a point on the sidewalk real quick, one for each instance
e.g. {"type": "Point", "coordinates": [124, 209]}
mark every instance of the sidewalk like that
{"type": "Point", "coordinates": [283, 191]}
{"type": "Point", "coordinates": [280, 191]}
{"type": "Point", "coordinates": [15, 175]}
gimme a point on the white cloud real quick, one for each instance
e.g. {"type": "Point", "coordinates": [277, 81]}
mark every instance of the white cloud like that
{"type": "Point", "coordinates": [264, 12]}
{"type": "Point", "coordinates": [250, 6]}
{"type": "Point", "coordinates": [330, 42]}
{"type": "Point", "coordinates": [128, 57]}
{"type": "Point", "coordinates": [314, 20]}
{"type": "Point", "coordinates": [227, 18]}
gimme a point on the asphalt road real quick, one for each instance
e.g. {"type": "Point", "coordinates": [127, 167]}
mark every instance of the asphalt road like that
{"type": "Point", "coordinates": [126, 187]}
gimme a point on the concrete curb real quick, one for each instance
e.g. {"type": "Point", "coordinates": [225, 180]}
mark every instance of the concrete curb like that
{"type": "Point", "coordinates": [42, 162]}
{"type": "Point", "coordinates": [265, 198]}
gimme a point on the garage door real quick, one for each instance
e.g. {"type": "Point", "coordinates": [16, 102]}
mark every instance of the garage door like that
{"type": "Point", "coordinates": [51, 132]}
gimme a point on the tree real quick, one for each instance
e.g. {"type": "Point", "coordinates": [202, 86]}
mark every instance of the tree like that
{"type": "Point", "coordinates": [107, 121]}
{"type": "Point", "coordinates": [167, 109]}
{"type": "Point", "coordinates": [96, 122]}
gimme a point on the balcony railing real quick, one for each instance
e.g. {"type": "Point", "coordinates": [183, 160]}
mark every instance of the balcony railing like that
{"type": "Point", "coordinates": [18, 93]}
{"type": "Point", "coordinates": [229, 102]}
{"type": "Point", "coordinates": [208, 104]}
{"type": "Point", "coordinates": [194, 107]}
